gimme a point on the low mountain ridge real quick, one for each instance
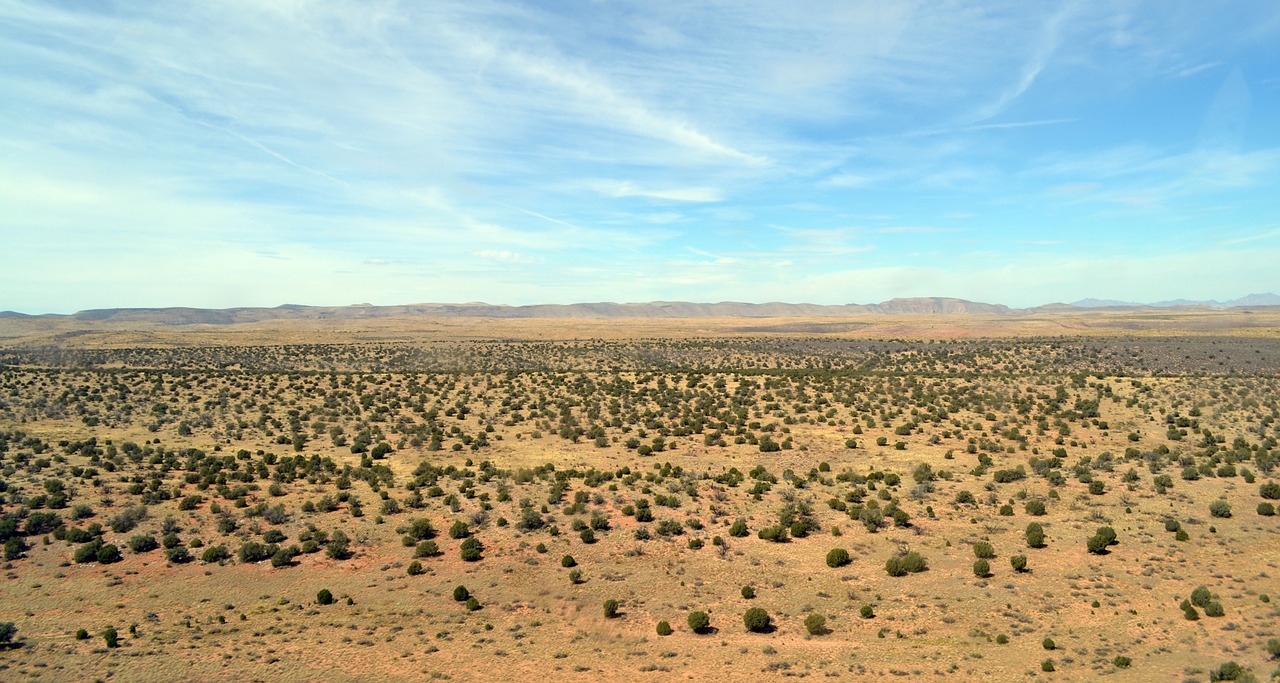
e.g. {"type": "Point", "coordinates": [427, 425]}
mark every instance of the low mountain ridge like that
{"type": "Point", "coordinates": [1262, 299]}
{"type": "Point", "coordinates": [607, 309]}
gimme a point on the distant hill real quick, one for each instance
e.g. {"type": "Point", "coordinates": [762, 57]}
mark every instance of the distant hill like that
{"type": "Point", "coordinates": [1102, 303]}
{"type": "Point", "coordinates": [651, 309]}
{"type": "Point", "coordinates": [1265, 299]}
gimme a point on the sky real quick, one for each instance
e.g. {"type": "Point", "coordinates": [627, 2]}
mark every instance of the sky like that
{"type": "Point", "coordinates": [259, 152]}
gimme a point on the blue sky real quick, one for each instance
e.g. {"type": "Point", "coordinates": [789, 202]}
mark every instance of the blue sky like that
{"type": "Point", "coordinates": [255, 153]}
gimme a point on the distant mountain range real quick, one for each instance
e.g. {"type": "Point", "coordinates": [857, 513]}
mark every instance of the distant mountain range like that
{"type": "Point", "coordinates": [1266, 299]}
{"type": "Point", "coordinates": [652, 309]}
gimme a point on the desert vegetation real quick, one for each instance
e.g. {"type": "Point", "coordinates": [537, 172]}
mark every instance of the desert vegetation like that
{"type": "Point", "coordinates": [804, 505]}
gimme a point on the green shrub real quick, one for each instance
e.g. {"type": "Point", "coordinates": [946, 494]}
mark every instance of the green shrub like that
{"type": "Point", "coordinates": [472, 604]}
{"type": "Point", "coordinates": [87, 552]}
{"type": "Point", "coordinates": [1201, 596]}
{"type": "Point", "coordinates": [471, 549]}
{"type": "Point", "coordinates": [76, 535]}
{"type": "Point", "coordinates": [111, 638]}
{"type": "Point", "coordinates": [776, 533]}
{"type": "Point", "coordinates": [867, 612]}
{"type": "Point", "coordinates": [339, 546]}
{"type": "Point", "coordinates": [419, 529]}
{"type": "Point", "coordinates": [748, 593]}
{"type": "Point", "coordinates": [1019, 563]}
{"type": "Point", "coordinates": [756, 620]}
{"type": "Point", "coordinates": [1002, 639]}
{"type": "Point", "coordinates": [1098, 543]}
{"type": "Point", "coordinates": [1121, 662]}
{"type": "Point", "coordinates": [1270, 490]}
{"type": "Point", "coordinates": [698, 621]}
{"type": "Point", "coordinates": [1048, 643]}
{"type": "Point", "coordinates": [611, 608]}
{"type": "Point", "coordinates": [738, 529]}
{"type": "Point", "coordinates": [815, 624]}
{"type": "Point", "coordinates": [981, 568]}
{"type": "Point", "coordinates": [983, 550]}
{"type": "Point", "coordinates": [668, 527]}
{"type": "Point", "coordinates": [837, 557]}
{"type": "Point", "coordinates": [1035, 508]}
{"type": "Point", "coordinates": [460, 593]}
{"type": "Point", "coordinates": [1047, 665]}
{"type": "Point", "coordinates": [283, 557]}
{"type": "Point", "coordinates": [15, 548]}
{"type": "Point", "coordinates": [1035, 535]}
{"type": "Point", "coordinates": [1172, 525]}
{"type": "Point", "coordinates": [911, 562]}
{"type": "Point", "coordinates": [1220, 508]}
{"type": "Point", "coordinates": [215, 553]}
{"type": "Point", "coordinates": [324, 597]}
{"type": "Point", "coordinates": [252, 551]}
{"type": "Point", "coordinates": [1229, 671]}
{"type": "Point", "coordinates": [664, 629]}
{"type": "Point", "coordinates": [415, 568]}
{"type": "Point", "coordinates": [143, 543]}
{"type": "Point", "coordinates": [914, 562]}
{"type": "Point", "coordinates": [109, 554]}
{"type": "Point", "coordinates": [1266, 509]}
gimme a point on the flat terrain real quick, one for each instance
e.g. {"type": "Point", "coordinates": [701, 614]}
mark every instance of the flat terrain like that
{"type": "Point", "coordinates": [196, 488]}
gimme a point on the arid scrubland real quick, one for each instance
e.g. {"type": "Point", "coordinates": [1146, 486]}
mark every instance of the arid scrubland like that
{"type": "Point", "coordinates": [766, 503]}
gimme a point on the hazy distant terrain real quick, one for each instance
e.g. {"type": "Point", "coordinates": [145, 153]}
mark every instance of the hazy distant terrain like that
{"type": "Point", "coordinates": [652, 309]}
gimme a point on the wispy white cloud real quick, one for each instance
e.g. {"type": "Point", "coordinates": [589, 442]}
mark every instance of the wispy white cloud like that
{"type": "Point", "coordinates": [1273, 233]}
{"type": "Point", "coordinates": [1198, 68]}
{"type": "Point", "coordinates": [720, 260]}
{"type": "Point", "coordinates": [914, 229]}
{"type": "Point", "coordinates": [847, 180]}
{"type": "Point", "coordinates": [1144, 177]}
{"type": "Point", "coordinates": [615, 188]}
{"type": "Point", "coordinates": [506, 256]}
{"type": "Point", "coordinates": [1007, 125]}
{"type": "Point", "coordinates": [1042, 50]}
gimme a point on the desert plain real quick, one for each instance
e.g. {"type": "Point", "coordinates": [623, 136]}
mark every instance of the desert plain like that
{"type": "Point", "coordinates": [1059, 496]}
